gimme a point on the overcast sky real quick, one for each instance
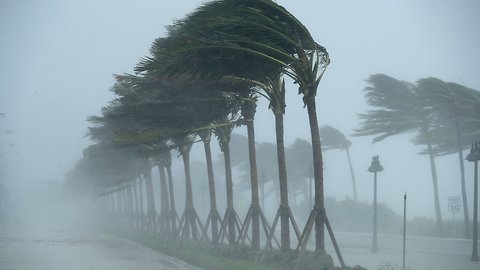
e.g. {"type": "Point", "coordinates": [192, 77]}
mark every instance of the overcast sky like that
{"type": "Point", "coordinates": [57, 58]}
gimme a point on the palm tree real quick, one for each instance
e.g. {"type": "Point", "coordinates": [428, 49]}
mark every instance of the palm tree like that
{"type": "Point", "coordinates": [138, 191]}
{"type": "Point", "coordinates": [248, 109]}
{"type": "Point", "coordinates": [189, 220]}
{"type": "Point", "coordinates": [332, 138]}
{"type": "Point", "coordinates": [276, 92]}
{"type": "Point", "coordinates": [297, 169]}
{"type": "Point", "coordinates": [454, 105]}
{"type": "Point", "coordinates": [401, 109]}
{"type": "Point", "coordinates": [255, 213]}
{"type": "Point", "coordinates": [213, 216]}
{"type": "Point", "coordinates": [164, 217]}
{"type": "Point", "coordinates": [151, 211]}
{"type": "Point", "coordinates": [166, 159]}
{"type": "Point", "coordinates": [223, 134]}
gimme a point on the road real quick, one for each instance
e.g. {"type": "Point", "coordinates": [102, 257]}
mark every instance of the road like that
{"type": "Point", "coordinates": [54, 237]}
{"type": "Point", "coordinates": [422, 253]}
{"type": "Point", "coordinates": [45, 228]}
{"type": "Point", "coordinates": [75, 250]}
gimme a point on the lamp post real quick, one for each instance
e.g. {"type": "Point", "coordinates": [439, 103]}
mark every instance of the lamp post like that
{"type": "Point", "coordinates": [474, 156]}
{"type": "Point", "coordinates": [374, 168]}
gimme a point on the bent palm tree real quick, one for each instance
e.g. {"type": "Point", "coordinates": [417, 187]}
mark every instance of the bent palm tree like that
{"type": "Point", "coordinates": [332, 138]}
{"type": "Point", "coordinates": [230, 220]}
{"type": "Point", "coordinates": [248, 109]}
{"type": "Point", "coordinates": [189, 220]}
{"type": "Point", "coordinates": [298, 170]}
{"type": "Point", "coordinates": [275, 91]}
{"type": "Point", "coordinates": [213, 217]}
{"type": "Point", "coordinates": [401, 109]}
{"type": "Point", "coordinates": [164, 217]}
{"type": "Point", "coordinates": [453, 105]}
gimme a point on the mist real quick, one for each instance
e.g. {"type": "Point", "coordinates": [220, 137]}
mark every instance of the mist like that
{"type": "Point", "coordinates": [58, 64]}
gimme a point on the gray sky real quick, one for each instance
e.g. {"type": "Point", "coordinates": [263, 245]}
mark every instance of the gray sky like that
{"type": "Point", "coordinates": [58, 57]}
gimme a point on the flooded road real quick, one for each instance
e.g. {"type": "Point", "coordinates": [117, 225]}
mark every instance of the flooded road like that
{"type": "Point", "coordinates": [74, 250]}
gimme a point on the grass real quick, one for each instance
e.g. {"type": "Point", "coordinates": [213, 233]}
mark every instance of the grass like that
{"type": "Point", "coordinates": [225, 257]}
{"type": "Point", "coordinates": [206, 257]}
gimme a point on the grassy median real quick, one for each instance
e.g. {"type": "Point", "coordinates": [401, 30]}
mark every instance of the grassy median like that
{"type": "Point", "coordinates": [224, 257]}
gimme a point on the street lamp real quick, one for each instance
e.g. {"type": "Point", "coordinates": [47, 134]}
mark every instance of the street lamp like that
{"type": "Point", "coordinates": [374, 168]}
{"type": "Point", "coordinates": [474, 156]}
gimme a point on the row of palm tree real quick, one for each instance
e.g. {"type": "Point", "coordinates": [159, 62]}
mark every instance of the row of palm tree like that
{"type": "Point", "coordinates": [443, 115]}
{"type": "Point", "coordinates": [205, 77]}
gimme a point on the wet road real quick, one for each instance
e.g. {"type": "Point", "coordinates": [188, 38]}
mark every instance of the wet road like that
{"type": "Point", "coordinates": [43, 230]}
{"type": "Point", "coordinates": [422, 253]}
{"type": "Point", "coordinates": [73, 250]}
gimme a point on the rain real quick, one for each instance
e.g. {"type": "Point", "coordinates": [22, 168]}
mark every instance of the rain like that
{"type": "Point", "coordinates": [156, 135]}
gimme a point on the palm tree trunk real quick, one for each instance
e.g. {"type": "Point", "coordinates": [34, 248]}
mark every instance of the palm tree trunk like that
{"type": "Point", "coordinates": [354, 185]}
{"type": "Point", "coordinates": [464, 195]}
{"type": "Point", "coordinates": [150, 198]}
{"type": "Point", "coordinates": [130, 204]}
{"type": "Point", "coordinates": [151, 212]}
{"type": "Point", "coordinates": [164, 200]}
{"type": "Point", "coordinates": [171, 196]}
{"type": "Point", "coordinates": [150, 194]}
{"type": "Point", "coordinates": [140, 192]}
{"type": "Point", "coordinates": [123, 200]}
{"type": "Point", "coordinates": [112, 203]}
{"type": "Point", "coordinates": [229, 189]}
{"type": "Point", "coordinates": [136, 203]}
{"type": "Point", "coordinates": [438, 212]}
{"type": "Point", "coordinates": [262, 190]}
{"type": "Point", "coordinates": [211, 189]}
{"type": "Point", "coordinates": [118, 204]}
{"type": "Point", "coordinates": [133, 212]}
{"type": "Point", "coordinates": [318, 176]}
{"type": "Point", "coordinates": [282, 172]}
{"type": "Point", "coordinates": [189, 210]}
{"type": "Point", "coordinates": [462, 179]}
{"type": "Point", "coordinates": [254, 184]}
